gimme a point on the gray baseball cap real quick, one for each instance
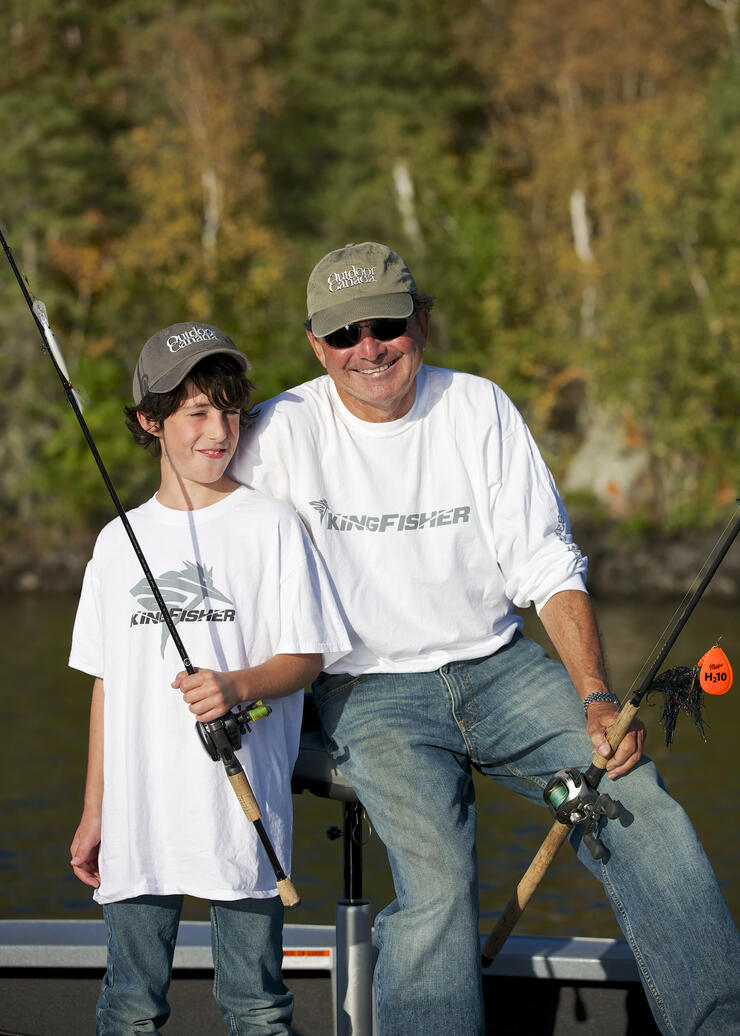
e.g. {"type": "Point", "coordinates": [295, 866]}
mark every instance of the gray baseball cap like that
{"type": "Point", "coordinates": [358, 282]}
{"type": "Point", "coordinates": [170, 354]}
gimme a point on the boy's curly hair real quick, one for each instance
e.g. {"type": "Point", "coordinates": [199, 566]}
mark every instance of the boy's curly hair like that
{"type": "Point", "coordinates": [218, 375]}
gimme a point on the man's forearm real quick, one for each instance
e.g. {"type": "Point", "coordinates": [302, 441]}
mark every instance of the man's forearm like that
{"type": "Point", "coordinates": [570, 623]}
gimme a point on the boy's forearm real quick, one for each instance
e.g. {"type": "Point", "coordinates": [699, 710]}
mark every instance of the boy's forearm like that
{"type": "Point", "coordinates": [209, 694]}
{"type": "Point", "coordinates": [279, 676]}
{"type": "Point", "coordinates": [93, 802]}
{"type": "Point", "coordinates": [85, 848]}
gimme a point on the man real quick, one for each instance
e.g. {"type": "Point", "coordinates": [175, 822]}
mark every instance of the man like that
{"type": "Point", "coordinates": [436, 516]}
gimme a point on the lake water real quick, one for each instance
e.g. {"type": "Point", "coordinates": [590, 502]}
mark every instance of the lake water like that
{"type": "Point", "coordinates": [44, 753]}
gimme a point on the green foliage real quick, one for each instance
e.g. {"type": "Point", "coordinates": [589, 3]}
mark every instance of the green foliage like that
{"type": "Point", "coordinates": [67, 477]}
{"type": "Point", "coordinates": [564, 178]}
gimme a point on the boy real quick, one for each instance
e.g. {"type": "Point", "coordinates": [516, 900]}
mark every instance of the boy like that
{"type": "Point", "coordinates": [254, 609]}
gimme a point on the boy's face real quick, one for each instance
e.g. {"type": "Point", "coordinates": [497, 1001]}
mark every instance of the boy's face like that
{"type": "Point", "coordinates": [198, 440]}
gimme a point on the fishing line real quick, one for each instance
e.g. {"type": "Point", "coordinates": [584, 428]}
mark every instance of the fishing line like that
{"type": "Point", "coordinates": [705, 564]}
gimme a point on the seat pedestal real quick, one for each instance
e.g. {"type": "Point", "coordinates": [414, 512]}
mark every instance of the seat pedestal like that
{"type": "Point", "coordinates": [315, 772]}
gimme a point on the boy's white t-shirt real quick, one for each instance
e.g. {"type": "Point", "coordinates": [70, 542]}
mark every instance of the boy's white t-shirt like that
{"type": "Point", "coordinates": [432, 526]}
{"type": "Point", "coordinates": [243, 583]}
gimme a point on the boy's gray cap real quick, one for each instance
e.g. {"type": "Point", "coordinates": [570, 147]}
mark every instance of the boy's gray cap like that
{"type": "Point", "coordinates": [171, 354]}
{"type": "Point", "coordinates": [358, 282]}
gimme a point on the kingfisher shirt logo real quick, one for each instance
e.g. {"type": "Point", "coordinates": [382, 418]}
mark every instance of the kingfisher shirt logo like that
{"type": "Point", "coordinates": [189, 595]}
{"type": "Point", "coordinates": [390, 522]}
{"type": "Point", "coordinates": [561, 531]}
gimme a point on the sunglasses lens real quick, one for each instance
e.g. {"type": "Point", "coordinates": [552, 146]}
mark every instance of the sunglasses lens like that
{"type": "Point", "coordinates": [387, 328]}
{"type": "Point", "coordinates": [384, 329]}
{"type": "Point", "coordinates": [344, 337]}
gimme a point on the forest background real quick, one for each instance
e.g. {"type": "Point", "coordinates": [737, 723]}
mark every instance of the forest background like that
{"type": "Point", "coordinates": [563, 176]}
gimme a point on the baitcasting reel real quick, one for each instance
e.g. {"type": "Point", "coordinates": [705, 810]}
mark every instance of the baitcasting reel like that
{"type": "Point", "coordinates": [572, 801]}
{"type": "Point", "coordinates": [227, 731]}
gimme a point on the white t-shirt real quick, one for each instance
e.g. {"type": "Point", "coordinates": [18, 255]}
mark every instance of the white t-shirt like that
{"type": "Point", "coordinates": [433, 527]}
{"type": "Point", "coordinates": [243, 583]}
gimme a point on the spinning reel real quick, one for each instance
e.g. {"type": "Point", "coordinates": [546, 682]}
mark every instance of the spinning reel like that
{"type": "Point", "coordinates": [221, 737]}
{"type": "Point", "coordinates": [573, 801]}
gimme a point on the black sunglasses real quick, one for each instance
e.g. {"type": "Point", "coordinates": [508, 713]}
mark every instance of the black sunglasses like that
{"type": "Point", "coordinates": [384, 329]}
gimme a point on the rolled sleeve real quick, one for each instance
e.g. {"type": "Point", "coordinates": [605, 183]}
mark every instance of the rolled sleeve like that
{"type": "Point", "coordinates": [535, 548]}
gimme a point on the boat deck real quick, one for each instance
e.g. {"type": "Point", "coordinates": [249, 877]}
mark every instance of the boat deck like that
{"type": "Point", "coordinates": [50, 974]}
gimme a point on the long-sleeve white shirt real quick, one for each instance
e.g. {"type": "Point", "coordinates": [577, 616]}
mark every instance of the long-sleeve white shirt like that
{"type": "Point", "coordinates": [433, 527]}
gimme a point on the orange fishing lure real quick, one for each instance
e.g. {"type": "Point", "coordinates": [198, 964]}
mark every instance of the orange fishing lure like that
{"type": "Point", "coordinates": [715, 671]}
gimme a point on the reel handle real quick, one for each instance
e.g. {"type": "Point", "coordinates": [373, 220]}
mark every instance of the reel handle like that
{"type": "Point", "coordinates": [594, 846]}
{"type": "Point", "coordinates": [609, 806]}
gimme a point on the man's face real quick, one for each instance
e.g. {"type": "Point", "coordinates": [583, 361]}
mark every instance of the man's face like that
{"type": "Point", "coordinates": [376, 380]}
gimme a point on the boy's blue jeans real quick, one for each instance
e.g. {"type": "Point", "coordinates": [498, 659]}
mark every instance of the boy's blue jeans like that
{"type": "Point", "coordinates": [246, 939]}
{"type": "Point", "coordinates": [407, 743]}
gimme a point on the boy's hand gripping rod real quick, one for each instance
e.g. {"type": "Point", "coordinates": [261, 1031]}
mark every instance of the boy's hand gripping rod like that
{"type": "Point", "coordinates": [219, 736]}
{"type": "Point", "coordinates": [586, 783]}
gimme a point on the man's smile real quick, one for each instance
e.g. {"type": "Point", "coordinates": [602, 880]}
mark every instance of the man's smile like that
{"type": "Point", "coordinates": [376, 370]}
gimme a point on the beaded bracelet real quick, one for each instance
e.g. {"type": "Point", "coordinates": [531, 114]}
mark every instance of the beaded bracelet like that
{"type": "Point", "coordinates": [599, 696]}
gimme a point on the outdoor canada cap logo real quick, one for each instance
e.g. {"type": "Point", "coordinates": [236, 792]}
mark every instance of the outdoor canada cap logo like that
{"type": "Point", "coordinates": [358, 282]}
{"type": "Point", "coordinates": [171, 354]}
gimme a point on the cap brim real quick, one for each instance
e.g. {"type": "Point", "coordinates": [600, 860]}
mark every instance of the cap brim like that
{"type": "Point", "coordinates": [175, 375]}
{"type": "Point", "coordinates": [397, 304]}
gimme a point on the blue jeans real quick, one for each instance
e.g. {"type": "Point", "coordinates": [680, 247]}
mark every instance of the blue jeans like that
{"type": "Point", "coordinates": [407, 743]}
{"type": "Point", "coordinates": [246, 939]}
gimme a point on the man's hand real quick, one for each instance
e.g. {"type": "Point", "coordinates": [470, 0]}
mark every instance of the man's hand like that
{"type": "Point", "coordinates": [208, 694]}
{"type": "Point", "coordinates": [601, 716]}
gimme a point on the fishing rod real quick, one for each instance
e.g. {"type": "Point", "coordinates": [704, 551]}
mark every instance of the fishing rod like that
{"type": "Point", "coordinates": [572, 796]}
{"type": "Point", "coordinates": [222, 736]}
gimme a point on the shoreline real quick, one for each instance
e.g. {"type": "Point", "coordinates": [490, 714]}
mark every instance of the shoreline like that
{"type": "Point", "coordinates": [656, 566]}
{"type": "Point", "coordinates": [649, 565]}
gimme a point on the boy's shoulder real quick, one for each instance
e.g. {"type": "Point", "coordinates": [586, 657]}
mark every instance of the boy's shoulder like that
{"type": "Point", "coordinates": [247, 499]}
{"type": "Point", "coordinates": [242, 499]}
{"type": "Point", "coordinates": [244, 518]}
{"type": "Point", "coordinates": [112, 533]}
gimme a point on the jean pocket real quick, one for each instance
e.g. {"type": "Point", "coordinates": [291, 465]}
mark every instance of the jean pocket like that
{"type": "Point", "coordinates": [329, 686]}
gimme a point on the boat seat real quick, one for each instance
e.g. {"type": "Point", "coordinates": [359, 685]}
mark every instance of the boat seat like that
{"type": "Point", "coordinates": [315, 770]}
